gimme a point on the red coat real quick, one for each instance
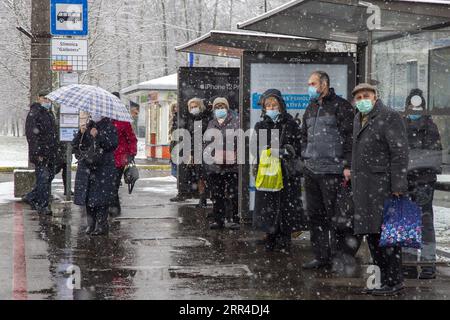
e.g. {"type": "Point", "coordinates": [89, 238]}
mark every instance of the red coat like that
{"type": "Point", "coordinates": [127, 143]}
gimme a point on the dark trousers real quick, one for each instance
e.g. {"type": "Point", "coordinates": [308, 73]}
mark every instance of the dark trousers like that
{"type": "Point", "coordinates": [116, 209]}
{"type": "Point", "coordinates": [40, 195]}
{"type": "Point", "coordinates": [389, 260]}
{"type": "Point", "coordinates": [224, 187]}
{"type": "Point", "coordinates": [423, 195]}
{"type": "Point", "coordinates": [62, 167]}
{"type": "Point", "coordinates": [321, 193]}
{"type": "Point", "coordinates": [97, 217]}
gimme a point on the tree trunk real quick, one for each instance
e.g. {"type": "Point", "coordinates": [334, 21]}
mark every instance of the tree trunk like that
{"type": "Point", "coordinates": [40, 73]}
{"type": "Point", "coordinates": [165, 49]}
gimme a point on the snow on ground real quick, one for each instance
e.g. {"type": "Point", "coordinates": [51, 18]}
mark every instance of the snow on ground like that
{"type": "Point", "coordinates": [6, 192]}
{"type": "Point", "coordinates": [444, 178]}
{"type": "Point", "coordinates": [442, 224]}
{"type": "Point", "coordinates": [13, 152]}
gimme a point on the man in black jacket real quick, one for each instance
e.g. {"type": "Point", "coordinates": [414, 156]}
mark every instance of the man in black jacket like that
{"type": "Point", "coordinates": [327, 130]}
{"type": "Point", "coordinates": [41, 135]}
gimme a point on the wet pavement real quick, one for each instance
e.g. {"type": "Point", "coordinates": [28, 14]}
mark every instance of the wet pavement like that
{"type": "Point", "coordinates": [160, 250]}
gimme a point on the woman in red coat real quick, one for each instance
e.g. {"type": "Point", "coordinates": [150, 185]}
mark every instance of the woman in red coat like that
{"type": "Point", "coordinates": [125, 152]}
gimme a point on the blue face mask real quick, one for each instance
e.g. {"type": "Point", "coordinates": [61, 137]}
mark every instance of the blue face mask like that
{"type": "Point", "coordinates": [414, 117]}
{"type": "Point", "coordinates": [313, 94]}
{"type": "Point", "coordinates": [221, 113]}
{"type": "Point", "coordinates": [364, 106]}
{"type": "Point", "coordinates": [47, 105]}
{"type": "Point", "coordinates": [273, 114]}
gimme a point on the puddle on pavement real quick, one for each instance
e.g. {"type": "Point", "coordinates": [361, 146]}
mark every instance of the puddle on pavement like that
{"type": "Point", "coordinates": [211, 271]}
{"type": "Point", "coordinates": [172, 242]}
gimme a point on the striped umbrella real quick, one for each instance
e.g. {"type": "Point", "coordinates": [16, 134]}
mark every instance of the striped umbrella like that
{"type": "Point", "coordinates": [91, 99]}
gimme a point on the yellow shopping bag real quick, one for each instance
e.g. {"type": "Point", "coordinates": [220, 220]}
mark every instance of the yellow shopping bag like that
{"type": "Point", "coordinates": [270, 175]}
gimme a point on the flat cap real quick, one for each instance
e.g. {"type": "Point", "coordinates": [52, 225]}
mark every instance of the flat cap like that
{"type": "Point", "coordinates": [364, 86]}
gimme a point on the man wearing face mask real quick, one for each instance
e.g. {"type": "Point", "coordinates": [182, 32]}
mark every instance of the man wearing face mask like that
{"type": "Point", "coordinates": [425, 155]}
{"type": "Point", "coordinates": [40, 129]}
{"type": "Point", "coordinates": [379, 171]}
{"type": "Point", "coordinates": [326, 141]}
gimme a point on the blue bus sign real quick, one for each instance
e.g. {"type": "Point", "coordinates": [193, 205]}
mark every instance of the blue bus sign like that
{"type": "Point", "coordinates": [69, 17]}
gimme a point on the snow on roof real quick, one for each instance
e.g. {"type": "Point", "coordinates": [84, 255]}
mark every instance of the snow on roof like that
{"type": "Point", "coordinates": [169, 82]}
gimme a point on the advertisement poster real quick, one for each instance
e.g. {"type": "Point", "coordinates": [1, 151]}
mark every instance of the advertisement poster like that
{"type": "Point", "coordinates": [289, 73]}
{"type": "Point", "coordinates": [206, 84]}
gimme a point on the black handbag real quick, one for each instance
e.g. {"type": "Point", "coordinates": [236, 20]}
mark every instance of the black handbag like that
{"type": "Point", "coordinates": [131, 175]}
{"type": "Point", "coordinates": [294, 166]}
{"type": "Point", "coordinates": [92, 155]}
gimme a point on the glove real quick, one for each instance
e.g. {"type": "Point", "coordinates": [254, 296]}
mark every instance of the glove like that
{"type": "Point", "coordinates": [288, 151]}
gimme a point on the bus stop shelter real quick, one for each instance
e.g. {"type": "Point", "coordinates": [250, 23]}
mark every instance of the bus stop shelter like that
{"type": "Point", "coordinates": [233, 44]}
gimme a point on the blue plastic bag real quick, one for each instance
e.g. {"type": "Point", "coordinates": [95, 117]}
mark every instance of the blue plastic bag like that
{"type": "Point", "coordinates": [402, 224]}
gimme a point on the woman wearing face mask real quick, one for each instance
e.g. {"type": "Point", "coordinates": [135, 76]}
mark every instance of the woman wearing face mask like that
{"type": "Point", "coordinates": [280, 213]}
{"type": "Point", "coordinates": [94, 148]}
{"type": "Point", "coordinates": [379, 169]}
{"type": "Point", "coordinates": [222, 166]}
{"type": "Point", "coordinates": [425, 152]}
{"type": "Point", "coordinates": [197, 121]}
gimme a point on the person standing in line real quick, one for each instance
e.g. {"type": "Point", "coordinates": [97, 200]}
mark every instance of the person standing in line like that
{"type": "Point", "coordinates": [40, 130]}
{"type": "Point", "coordinates": [379, 172]}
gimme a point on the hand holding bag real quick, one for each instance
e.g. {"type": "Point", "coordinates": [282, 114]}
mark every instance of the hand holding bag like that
{"type": "Point", "coordinates": [131, 175]}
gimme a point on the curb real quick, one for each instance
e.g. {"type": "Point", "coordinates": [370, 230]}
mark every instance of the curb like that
{"type": "Point", "coordinates": [74, 168]}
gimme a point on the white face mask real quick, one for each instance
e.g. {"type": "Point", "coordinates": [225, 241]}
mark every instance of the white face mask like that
{"type": "Point", "coordinates": [96, 117]}
{"type": "Point", "coordinates": [195, 111]}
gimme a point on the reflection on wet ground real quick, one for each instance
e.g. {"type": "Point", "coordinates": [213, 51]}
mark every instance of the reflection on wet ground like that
{"type": "Point", "coordinates": [160, 250]}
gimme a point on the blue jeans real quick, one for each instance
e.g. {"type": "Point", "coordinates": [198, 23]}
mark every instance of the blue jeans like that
{"type": "Point", "coordinates": [40, 195]}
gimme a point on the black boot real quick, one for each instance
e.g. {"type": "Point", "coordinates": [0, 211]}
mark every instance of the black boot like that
{"type": "Point", "coordinates": [271, 241]}
{"type": "Point", "coordinates": [427, 273]}
{"type": "Point", "coordinates": [102, 228]}
{"type": "Point", "coordinates": [91, 220]}
{"type": "Point", "coordinates": [202, 204]}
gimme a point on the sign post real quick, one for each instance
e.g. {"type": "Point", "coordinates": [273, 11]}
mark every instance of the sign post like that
{"type": "Point", "coordinates": [69, 17]}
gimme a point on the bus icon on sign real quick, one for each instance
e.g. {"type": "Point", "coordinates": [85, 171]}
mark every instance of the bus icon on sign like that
{"type": "Point", "coordinates": [74, 17]}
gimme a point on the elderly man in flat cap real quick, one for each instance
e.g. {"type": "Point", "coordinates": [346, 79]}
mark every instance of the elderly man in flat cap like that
{"type": "Point", "coordinates": [379, 171]}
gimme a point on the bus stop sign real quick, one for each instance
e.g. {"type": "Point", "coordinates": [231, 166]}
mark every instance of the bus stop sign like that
{"type": "Point", "coordinates": [69, 17]}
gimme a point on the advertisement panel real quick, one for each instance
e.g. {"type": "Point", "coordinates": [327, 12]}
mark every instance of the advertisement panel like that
{"type": "Point", "coordinates": [288, 72]}
{"type": "Point", "coordinates": [206, 84]}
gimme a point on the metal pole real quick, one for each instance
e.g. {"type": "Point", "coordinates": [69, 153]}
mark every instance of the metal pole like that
{"type": "Point", "coordinates": [69, 172]}
{"type": "Point", "coordinates": [369, 56]}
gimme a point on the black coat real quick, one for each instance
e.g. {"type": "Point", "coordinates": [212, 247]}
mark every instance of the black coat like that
{"type": "Point", "coordinates": [379, 166]}
{"type": "Point", "coordinates": [327, 135]}
{"type": "Point", "coordinates": [283, 210]}
{"type": "Point", "coordinates": [95, 183]}
{"type": "Point", "coordinates": [40, 130]}
{"type": "Point", "coordinates": [423, 134]}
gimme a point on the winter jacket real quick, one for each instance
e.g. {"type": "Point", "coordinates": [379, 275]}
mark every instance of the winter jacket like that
{"type": "Point", "coordinates": [379, 166]}
{"type": "Point", "coordinates": [283, 210]}
{"type": "Point", "coordinates": [127, 143]}
{"type": "Point", "coordinates": [423, 134]}
{"type": "Point", "coordinates": [227, 130]}
{"type": "Point", "coordinates": [95, 183]}
{"type": "Point", "coordinates": [327, 130]}
{"type": "Point", "coordinates": [40, 130]}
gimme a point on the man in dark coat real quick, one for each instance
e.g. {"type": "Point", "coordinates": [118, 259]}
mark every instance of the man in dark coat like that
{"type": "Point", "coordinates": [279, 214]}
{"type": "Point", "coordinates": [95, 186]}
{"type": "Point", "coordinates": [425, 155]}
{"type": "Point", "coordinates": [40, 129]}
{"type": "Point", "coordinates": [379, 172]}
{"type": "Point", "coordinates": [326, 135]}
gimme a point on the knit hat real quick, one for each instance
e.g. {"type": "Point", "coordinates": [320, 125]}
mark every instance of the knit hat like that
{"type": "Point", "coordinates": [221, 101]}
